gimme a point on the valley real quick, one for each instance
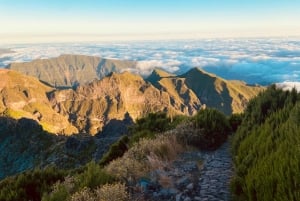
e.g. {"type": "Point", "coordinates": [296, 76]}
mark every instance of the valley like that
{"type": "Point", "coordinates": [165, 136]}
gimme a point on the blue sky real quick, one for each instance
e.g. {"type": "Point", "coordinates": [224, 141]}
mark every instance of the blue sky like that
{"type": "Point", "coordinates": [137, 19]}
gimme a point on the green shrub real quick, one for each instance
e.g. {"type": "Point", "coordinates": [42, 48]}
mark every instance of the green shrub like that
{"type": "Point", "coordinates": [208, 129]}
{"type": "Point", "coordinates": [153, 124]}
{"type": "Point", "coordinates": [116, 150]}
{"type": "Point", "coordinates": [266, 148]}
{"type": "Point", "coordinates": [60, 193]}
{"type": "Point", "coordinates": [235, 121]}
{"type": "Point", "coordinates": [93, 177]}
{"type": "Point", "coordinates": [30, 185]}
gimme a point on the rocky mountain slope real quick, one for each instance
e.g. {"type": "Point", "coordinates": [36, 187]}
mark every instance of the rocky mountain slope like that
{"type": "Point", "coordinates": [197, 88]}
{"type": "Point", "coordinates": [71, 70]}
{"type": "Point", "coordinates": [90, 107]}
{"type": "Point", "coordinates": [25, 96]}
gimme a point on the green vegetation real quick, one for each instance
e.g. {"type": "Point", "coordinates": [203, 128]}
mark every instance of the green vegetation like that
{"type": "Point", "coordinates": [91, 176]}
{"type": "Point", "coordinates": [30, 185]}
{"type": "Point", "coordinates": [147, 127]}
{"type": "Point", "coordinates": [208, 129]}
{"type": "Point", "coordinates": [266, 148]}
{"type": "Point", "coordinates": [116, 150]}
{"type": "Point", "coordinates": [152, 124]}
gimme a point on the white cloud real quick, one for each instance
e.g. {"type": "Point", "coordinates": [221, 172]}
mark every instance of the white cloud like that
{"type": "Point", "coordinates": [262, 61]}
{"type": "Point", "coordinates": [289, 85]}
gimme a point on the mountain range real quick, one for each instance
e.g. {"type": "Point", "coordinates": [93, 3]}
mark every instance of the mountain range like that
{"type": "Point", "coordinates": [71, 70]}
{"type": "Point", "coordinates": [43, 102]}
{"type": "Point", "coordinates": [82, 94]}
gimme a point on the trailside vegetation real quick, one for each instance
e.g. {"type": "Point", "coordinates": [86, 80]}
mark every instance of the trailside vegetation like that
{"type": "Point", "coordinates": [266, 148]}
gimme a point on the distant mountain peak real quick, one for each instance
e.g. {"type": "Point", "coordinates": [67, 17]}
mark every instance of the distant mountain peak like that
{"type": "Point", "coordinates": [196, 71]}
{"type": "Point", "coordinates": [70, 70]}
{"type": "Point", "coordinates": [158, 74]}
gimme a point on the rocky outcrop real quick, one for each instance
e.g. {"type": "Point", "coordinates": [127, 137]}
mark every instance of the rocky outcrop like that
{"type": "Point", "coordinates": [25, 96]}
{"type": "Point", "coordinates": [90, 107]}
{"type": "Point", "coordinates": [93, 106]}
{"type": "Point", "coordinates": [197, 88]}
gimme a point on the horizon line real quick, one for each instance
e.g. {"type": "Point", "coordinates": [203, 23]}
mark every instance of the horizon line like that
{"type": "Point", "coordinates": [86, 38]}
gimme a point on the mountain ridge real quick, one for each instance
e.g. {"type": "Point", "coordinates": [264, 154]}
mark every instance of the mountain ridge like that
{"type": "Point", "coordinates": [88, 108]}
{"type": "Point", "coordinates": [70, 70]}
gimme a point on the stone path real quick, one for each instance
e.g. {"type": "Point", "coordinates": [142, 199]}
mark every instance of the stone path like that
{"type": "Point", "coordinates": [199, 176]}
{"type": "Point", "coordinates": [215, 175]}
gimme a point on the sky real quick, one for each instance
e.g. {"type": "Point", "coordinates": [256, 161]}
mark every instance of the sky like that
{"type": "Point", "coordinates": [104, 20]}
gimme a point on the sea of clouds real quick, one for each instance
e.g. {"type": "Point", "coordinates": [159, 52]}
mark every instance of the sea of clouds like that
{"type": "Point", "coordinates": [255, 61]}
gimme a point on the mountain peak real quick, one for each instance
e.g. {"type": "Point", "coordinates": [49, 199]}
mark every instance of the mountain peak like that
{"type": "Point", "coordinates": [198, 71]}
{"type": "Point", "coordinates": [162, 73]}
{"type": "Point", "coordinates": [158, 74]}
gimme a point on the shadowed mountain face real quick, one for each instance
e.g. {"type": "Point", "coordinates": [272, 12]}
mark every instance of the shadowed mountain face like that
{"type": "Point", "coordinates": [25, 145]}
{"type": "Point", "coordinates": [90, 107]}
{"type": "Point", "coordinates": [71, 70]}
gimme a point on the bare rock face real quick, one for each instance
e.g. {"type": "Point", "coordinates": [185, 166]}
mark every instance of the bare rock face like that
{"type": "Point", "coordinates": [197, 89]}
{"type": "Point", "coordinates": [25, 96]}
{"type": "Point", "coordinates": [87, 93]}
{"type": "Point", "coordinates": [111, 98]}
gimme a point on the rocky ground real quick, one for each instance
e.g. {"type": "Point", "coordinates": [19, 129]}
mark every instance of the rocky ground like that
{"type": "Point", "coordinates": [194, 175]}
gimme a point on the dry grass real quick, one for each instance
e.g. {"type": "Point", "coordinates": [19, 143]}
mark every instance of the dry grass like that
{"type": "Point", "coordinates": [84, 195]}
{"type": "Point", "coordinates": [145, 156]}
{"type": "Point", "coordinates": [112, 192]}
{"type": "Point", "coordinates": [107, 192]}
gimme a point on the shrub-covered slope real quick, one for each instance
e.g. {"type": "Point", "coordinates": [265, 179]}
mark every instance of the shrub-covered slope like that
{"type": "Point", "coordinates": [128, 161]}
{"type": "Point", "coordinates": [266, 148]}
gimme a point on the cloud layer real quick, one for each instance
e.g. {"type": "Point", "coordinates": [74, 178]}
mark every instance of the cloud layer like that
{"type": "Point", "coordinates": [261, 61]}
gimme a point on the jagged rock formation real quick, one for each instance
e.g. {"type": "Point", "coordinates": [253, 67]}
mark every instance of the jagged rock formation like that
{"type": "Point", "coordinates": [71, 70]}
{"type": "Point", "coordinates": [25, 96]}
{"type": "Point", "coordinates": [92, 106]}
{"type": "Point", "coordinates": [88, 108]}
{"type": "Point", "coordinates": [197, 88]}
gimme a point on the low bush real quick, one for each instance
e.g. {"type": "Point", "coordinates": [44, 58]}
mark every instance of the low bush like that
{"type": "Point", "coordinates": [30, 185]}
{"type": "Point", "coordinates": [152, 124]}
{"type": "Point", "coordinates": [208, 129]}
{"type": "Point", "coordinates": [93, 177]}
